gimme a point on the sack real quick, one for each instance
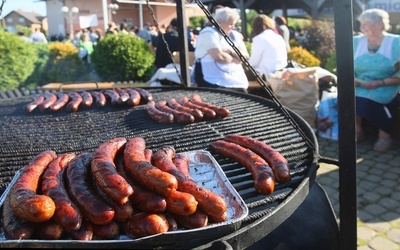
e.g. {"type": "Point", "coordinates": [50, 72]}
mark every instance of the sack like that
{"type": "Point", "coordinates": [297, 89]}
{"type": "Point", "coordinates": [327, 116]}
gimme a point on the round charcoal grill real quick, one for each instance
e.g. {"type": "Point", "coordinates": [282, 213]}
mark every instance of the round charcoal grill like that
{"type": "Point", "coordinates": [24, 135]}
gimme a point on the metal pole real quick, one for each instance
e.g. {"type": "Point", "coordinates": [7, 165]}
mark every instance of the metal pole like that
{"type": "Point", "coordinates": [183, 40]}
{"type": "Point", "coordinates": [71, 25]}
{"type": "Point", "coordinates": [346, 111]}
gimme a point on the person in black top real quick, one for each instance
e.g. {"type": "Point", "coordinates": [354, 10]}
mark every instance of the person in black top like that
{"type": "Point", "coordinates": [163, 57]}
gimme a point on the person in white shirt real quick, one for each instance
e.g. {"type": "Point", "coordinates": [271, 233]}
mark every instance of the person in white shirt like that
{"type": "Point", "coordinates": [38, 37]}
{"type": "Point", "coordinates": [217, 64]}
{"type": "Point", "coordinates": [268, 52]}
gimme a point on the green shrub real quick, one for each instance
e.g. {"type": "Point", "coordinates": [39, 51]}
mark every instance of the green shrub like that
{"type": "Point", "coordinates": [331, 63]}
{"type": "Point", "coordinates": [123, 58]}
{"type": "Point", "coordinates": [320, 39]}
{"type": "Point", "coordinates": [303, 56]}
{"type": "Point", "coordinates": [64, 65]}
{"type": "Point", "coordinates": [39, 74]}
{"type": "Point", "coordinates": [17, 60]}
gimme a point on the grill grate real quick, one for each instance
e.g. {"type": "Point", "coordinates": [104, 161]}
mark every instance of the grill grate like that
{"type": "Point", "coordinates": [25, 135]}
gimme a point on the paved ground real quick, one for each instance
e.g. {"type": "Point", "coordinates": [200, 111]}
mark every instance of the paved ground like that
{"type": "Point", "coordinates": [378, 192]}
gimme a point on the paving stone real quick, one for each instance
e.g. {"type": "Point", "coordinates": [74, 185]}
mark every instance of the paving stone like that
{"type": "Point", "coordinates": [394, 235]}
{"type": "Point", "coordinates": [380, 243]}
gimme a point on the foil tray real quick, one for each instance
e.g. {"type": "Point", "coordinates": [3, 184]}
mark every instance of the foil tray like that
{"type": "Point", "coordinates": [206, 171]}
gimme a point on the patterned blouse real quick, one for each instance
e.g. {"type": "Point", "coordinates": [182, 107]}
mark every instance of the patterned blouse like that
{"type": "Point", "coordinates": [376, 66]}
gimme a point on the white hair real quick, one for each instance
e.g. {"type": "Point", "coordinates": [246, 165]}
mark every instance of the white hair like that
{"type": "Point", "coordinates": [226, 14]}
{"type": "Point", "coordinates": [376, 16]}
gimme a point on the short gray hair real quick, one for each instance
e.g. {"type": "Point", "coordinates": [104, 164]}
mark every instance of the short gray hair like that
{"type": "Point", "coordinates": [375, 16]}
{"type": "Point", "coordinates": [226, 14]}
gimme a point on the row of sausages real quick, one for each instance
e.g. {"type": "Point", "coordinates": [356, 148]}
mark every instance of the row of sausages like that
{"type": "Point", "coordinates": [74, 100]}
{"type": "Point", "coordinates": [184, 110]}
{"type": "Point", "coordinates": [120, 188]}
{"type": "Point", "coordinates": [265, 163]}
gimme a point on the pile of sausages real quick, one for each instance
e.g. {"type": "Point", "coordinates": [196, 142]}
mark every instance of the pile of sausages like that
{"type": "Point", "coordinates": [265, 164]}
{"type": "Point", "coordinates": [120, 188]}
{"type": "Point", "coordinates": [74, 100]}
{"type": "Point", "coordinates": [185, 110]}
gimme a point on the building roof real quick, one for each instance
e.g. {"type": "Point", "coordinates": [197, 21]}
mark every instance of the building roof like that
{"type": "Point", "coordinates": [30, 16]}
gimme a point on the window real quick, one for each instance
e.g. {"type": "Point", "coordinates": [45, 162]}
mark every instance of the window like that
{"type": "Point", "coordinates": [21, 20]}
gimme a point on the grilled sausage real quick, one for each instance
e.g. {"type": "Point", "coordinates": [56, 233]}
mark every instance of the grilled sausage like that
{"type": "Point", "coordinates": [123, 96]}
{"type": "Point", "coordinates": [145, 224]}
{"type": "Point", "coordinates": [84, 233]}
{"type": "Point", "coordinates": [181, 203]}
{"type": "Point", "coordinates": [67, 213]}
{"type": "Point", "coordinates": [197, 114]}
{"type": "Point", "coordinates": [93, 208]}
{"type": "Point", "coordinates": [37, 99]}
{"type": "Point", "coordinates": [75, 100]}
{"type": "Point", "coordinates": [109, 231]}
{"type": "Point", "coordinates": [134, 97]}
{"type": "Point", "coordinates": [25, 202]}
{"type": "Point", "coordinates": [179, 116]}
{"type": "Point", "coordinates": [99, 98]}
{"type": "Point", "coordinates": [144, 172]}
{"type": "Point", "coordinates": [181, 162]}
{"type": "Point", "coordinates": [106, 174]}
{"type": "Point", "coordinates": [208, 201]}
{"type": "Point", "coordinates": [87, 99]}
{"type": "Point", "coordinates": [49, 100]}
{"type": "Point", "coordinates": [142, 198]}
{"type": "Point", "coordinates": [172, 223]}
{"type": "Point", "coordinates": [264, 180]}
{"type": "Point", "coordinates": [158, 115]}
{"type": "Point", "coordinates": [144, 94]}
{"type": "Point", "coordinates": [196, 220]}
{"type": "Point", "coordinates": [274, 158]}
{"type": "Point", "coordinates": [207, 112]}
{"type": "Point", "coordinates": [49, 230]}
{"type": "Point", "coordinates": [112, 95]}
{"type": "Point", "coordinates": [219, 110]}
{"type": "Point", "coordinates": [62, 100]}
{"type": "Point", "coordinates": [15, 228]}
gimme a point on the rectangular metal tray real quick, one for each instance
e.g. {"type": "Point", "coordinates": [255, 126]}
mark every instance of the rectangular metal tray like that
{"type": "Point", "coordinates": [206, 171]}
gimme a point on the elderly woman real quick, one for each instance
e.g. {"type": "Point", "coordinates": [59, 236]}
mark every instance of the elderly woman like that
{"type": "Point", "coordinates": [376, 57]}
{"type": "Point", "coordinates": [268, 53]}
{"type": "Point", "coordinates": [217, 65]}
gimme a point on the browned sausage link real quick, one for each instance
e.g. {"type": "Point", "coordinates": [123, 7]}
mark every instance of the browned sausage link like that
{"type": "Point", "coordinates": [196, 220]}
{"type": "Point", "coordinates": [144, 94]}
{"type": "Point", "coordinates": [196, 113]}
{"type": "Point", "coordinates": [144, 172]}
{"type": "Point", "coordinates": [179, 116]}
{"type": "Point", "coordinates": [87, 98]}
{"type": "Point", "coordinates": [112, 95]}
{"type": "Point", "coordinates": [49, 100]}
{"type": "Point", "coordinates": [207, 113]}
{"type": "Point", "coordinates": [75, 100]}
{"type": "Point", "coordinates": [123, 96]}
{"type": "Point", "coordinates": [15, 228]}
{"type": "Point", "coordinates": [264, 180]}
{"type": "Point", "coordinates": [274, 158]}
{"type": "Point", "coordinates": [109, 231]}
{"type": "Point", "coordinates": [182, 203]}
{"type": "Point", "coordinates": [61, 101]}
{"type": "Point", "coordinates": [37, 99]}
{"type": "Point", "coordinates": [106, 174]}
{"type": "Point", "coordinates": [158, 115]}
{"type": "Point", "coordinates": [49, 230]}
{"type": "Point", "coordinates": [208, 201]}
{"type": "Point", "coordinates": [172, 223]}
{"type": "Point", "coordinates": [145, 224]}
{"type": "Point", "coordinates": [142, 198]}
{"type": "Point", "coordinates": [148, 154]}
{"type": "Point", "coordinates": [93, 208]}
{"type": "Point", "coordinates": [134, 97]}
{"type": "Point", "coordinates": [84, 233]}
{"type": "Point", "coordinates": [67, 213]}
{"type": "Point", "coordinates": [122, 212]}
{"type": "Point", "coordinates": [221, 111]}
{"type": "Point", "coordinates": [25, 202]}
{"type": "Point", "coordinates": [181, 161]}
{"type": "Point", "coordinates": [99, 98]}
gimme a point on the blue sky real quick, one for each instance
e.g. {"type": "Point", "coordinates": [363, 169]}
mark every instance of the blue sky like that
{"type": "Point", "coordinates": [25, 5]}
